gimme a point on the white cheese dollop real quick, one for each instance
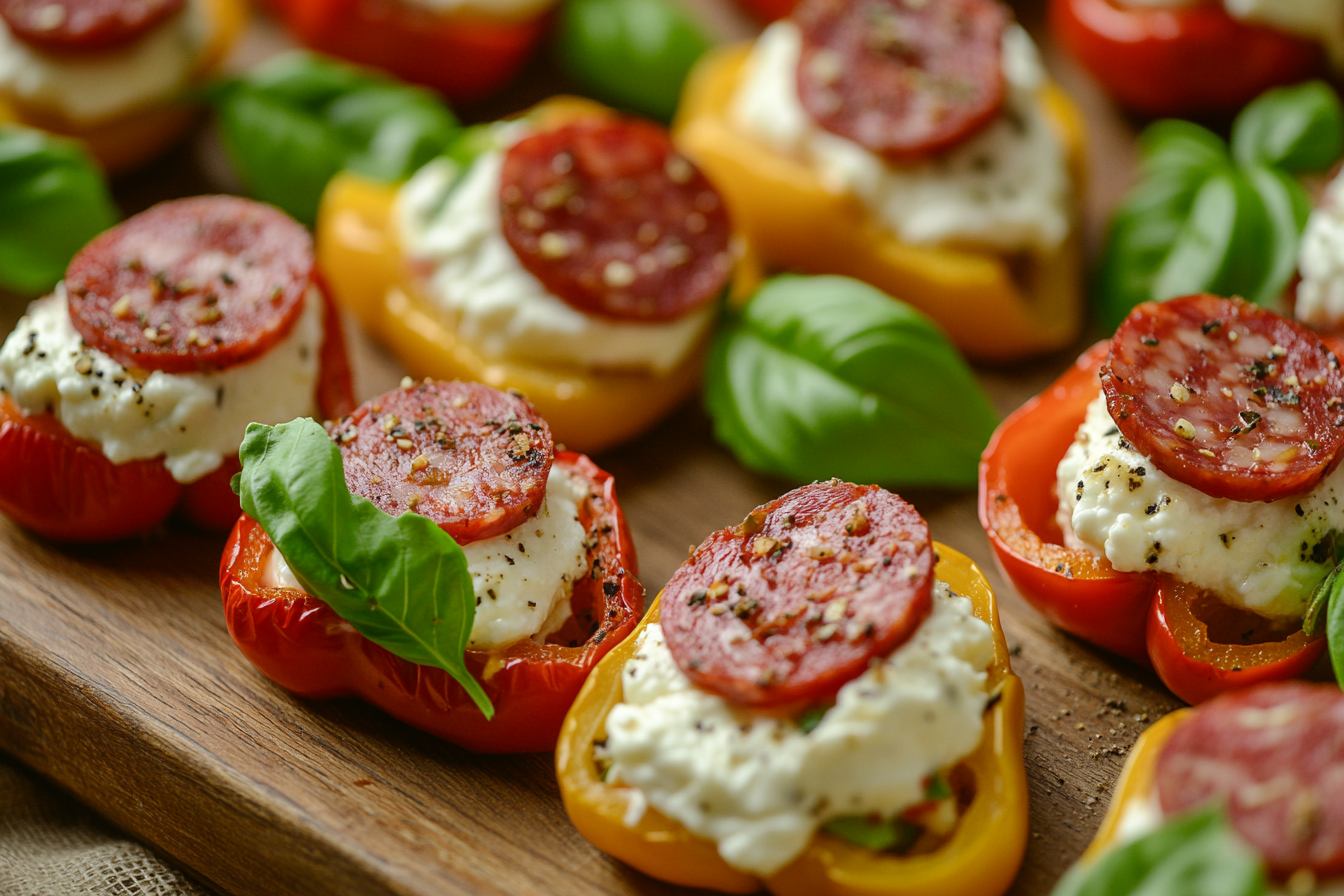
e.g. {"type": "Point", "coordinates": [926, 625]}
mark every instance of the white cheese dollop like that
{"type": "Point", "coordinates": [523, 579]}
{"type": "Point", "coordinates": [1320, 261]}
{"type": "Point", "coordinates": [90, 88]}
{"type": "Point", "coordinates": [1250, 554]}
{"type": "Point", "coordinates": [192, 420]}
{"type": "Point", "coordinates": [1005, 188]}
{"type": "Point", "coordinates": [451, 224]}
{"type": "Point", "coordinates": [757, 785]}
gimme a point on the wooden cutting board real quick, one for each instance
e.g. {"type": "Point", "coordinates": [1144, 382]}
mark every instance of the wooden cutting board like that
{"type": "Point", "coordinates": [119, 682]}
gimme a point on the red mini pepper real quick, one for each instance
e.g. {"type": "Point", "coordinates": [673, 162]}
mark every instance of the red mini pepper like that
{"type": "Point", "coordinates": [301, 644]}
{"type": "Point", "coordinates": [1196, 643]}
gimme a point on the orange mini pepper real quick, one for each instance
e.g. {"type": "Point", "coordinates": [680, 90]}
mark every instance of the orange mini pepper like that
{"type": "Point", "coordinates": [995, 307]}
{"type": "Point", "coordinates": [980, 858]}
{"type": "Point", "coordinates": [357, 250]}
{"type": "Point", "coordinates": [128, 141]}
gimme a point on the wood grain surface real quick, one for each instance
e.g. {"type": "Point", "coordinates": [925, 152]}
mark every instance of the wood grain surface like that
{"type": "Point", "coordinates": [119, 682]}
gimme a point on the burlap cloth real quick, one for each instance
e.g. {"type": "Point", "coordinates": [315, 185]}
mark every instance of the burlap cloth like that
{"type": "Point", "coordinates": [50, 845]}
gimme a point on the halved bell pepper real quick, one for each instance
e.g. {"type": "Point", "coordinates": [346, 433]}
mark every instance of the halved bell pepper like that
{"type": "Point", "coordinates": [994, 307]}
{"type": "Point", "coordinates": [1196, 643]}
{"type": "Point", "coordinates": [358, 252]}
{"type": "Point", "coordinates": [300, 643]}
{"type": "Point", "coordinates": [980, 858]}
{"type": "Point", "coordinates": [128, 141]}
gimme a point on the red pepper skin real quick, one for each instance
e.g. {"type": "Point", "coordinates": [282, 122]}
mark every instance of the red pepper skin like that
{"type": "Point", "coordinates": [301, 644]}
{"type": "Point", "coordinates": [1189, 60]}
{"type": "Point", "coordinates": [769, 10]}
{"type": "Point", "coordinates": [464, 56]}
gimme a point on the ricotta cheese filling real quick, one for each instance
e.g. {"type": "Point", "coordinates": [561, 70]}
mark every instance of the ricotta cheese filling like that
{"type": "Point", "coordinates": [449, 223]}
{"type": "Point", "coordinates": [1320, 261]}
{"type": "Point", "coordinates": [1318, 20]}
{"type": "Point", "coordinates": [190, 420]}
{"type": "Point", "coordinates": [1006, 188]}
{"type": "Point", "coordinates": [1263, 557]}
{"type": "Point", "coordinates": [523, 579]}
{"type": "Point", "coordinates": [90, 88]}
{"type": "Point", "coordinates": [757, 785]}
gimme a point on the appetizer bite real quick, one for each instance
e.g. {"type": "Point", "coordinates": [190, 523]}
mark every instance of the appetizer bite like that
{"type": "Point", "coordinates": [433, 554]}
{"type": "Point", "coordinates": [571, 254]}
{"type": "Point", "coordinates": [125, 393]}
{"type": "Point", "coordinates": [917, 147]}
{"type": "Point", "coordinates": [112, 73]}
{"type": "Point", "coordinates": [465, 49]}
{"type": "Point", "coordinates": [1238, 796]}
{"type": "Point", "coordinates": [819, 702]}
{"type": "Point", "coordinates": [1199, 57]}
{"type": "Point", "coordinates": [1174, 496]}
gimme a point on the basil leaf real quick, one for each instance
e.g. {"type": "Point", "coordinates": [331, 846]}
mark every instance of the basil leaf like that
{"type": "Point", "coordinates": [53, 200]}
{"type": "Point", "coordinates": [631, 53]}
{"type": "Point", "coordinates": [896, 835]}
{"type": "Point", "coordinates": [1180, 148]}
{"type": "Point", "coordinates": [402, 582]}
{"type": "Point", "coordinates": [1298, 129]}
{"type": "Point", "coordinates": [1333, 604]}
{"type": "Point", "coordinates": [827, 376]}
{"type": "Point", "coordinates": [1193, 855]}
{"type": "Point", "coordinates": [1287, 207]}
{"type": "Point", "coordinates": [295, 122]}
{"type": "Point", "coordinates": [812, 716]}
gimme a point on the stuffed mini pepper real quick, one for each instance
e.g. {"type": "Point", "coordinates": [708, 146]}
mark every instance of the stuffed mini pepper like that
{"type": "Point", "coordinates": [820, 703]}
{"type": "Point", "coordinates": [571, 254]}
{"type": "Point", "coordinates": [1199, 57]}
{"type": "Point", "coordinates": [435, 555]}
{"type": "Point", "coordinates": [1174, 497]}
{"type": "Point", "coordinates": [918, 147]}
{"type": "Point", "coordinates": [111, 72]}
{"type": "Point", "coordinates": [1238, 796]}
{"type": "Point", "coordinates": [125, 393]}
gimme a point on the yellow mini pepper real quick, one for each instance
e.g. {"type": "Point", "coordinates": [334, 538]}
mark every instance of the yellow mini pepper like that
{"type": "Point", "coordinates": [128, 141]}
{"type": "Point", "coordinates": [1137, 780]}
{"type": "Point", "coordinates": [357, 251]}
{"type": "Point", "coordinates": [980, 858]}
{"type": "Point", "coordinates": [995, 307]}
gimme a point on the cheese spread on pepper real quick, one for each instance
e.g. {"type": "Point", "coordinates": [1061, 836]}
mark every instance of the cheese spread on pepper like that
{"type": "Point", "coordinates": [1318, 20]}
{"type": "Point", "coordinates": [1263, 557]}
{"type": "Point", "coordinates": [758, 785]}
{"type": "Point", "coordinates": [523, 579]}
{"type": "Point", "coordinates": [190, 420]}
{"type": "Point", "coordinates": [448, 222]}
{"type": "Point", "coordinates": [1320, 293]}
{"type": "Point", "coordinates": [88, 88]}
{"type": "Point", "coordinates": [1006, 188]}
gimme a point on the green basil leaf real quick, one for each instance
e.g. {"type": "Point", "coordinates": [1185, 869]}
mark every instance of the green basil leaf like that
{"type": "Point", "coordinates": [827, 376]}
{"type": "Point", "coordinates": [938, 788]}
{"type": "Point", "coordinates": [1180, 148]}
{"type": "Point", "coordinates": [630, 53]}
{"type": "Point", "coordinates": [1287, 206]}
{"type": "Point", "coordinates": [294, 123]}
{"type": "Point", "coordinates": [402, 582]}
{"type": "Point", "coordinates": [1193, 855]}
{"type": "Point", "coordinates": [53, 200]}
{"type": "Point", "coordinates": [1334, 623]}
{"type": "Point", "coordinates": [896, 835]}
{"type": "Point", "coordinates": [1298, 129]}
{"type": "Point", "coordinates": [812, 716]}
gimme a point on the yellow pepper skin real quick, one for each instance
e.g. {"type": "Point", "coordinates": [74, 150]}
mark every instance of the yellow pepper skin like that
{"type": "Point", "coordinates": [995, 308]}
{"type": "Point", "coordinates": [981, 857]}
{"type": "Point", "coordinates": [365, 270]}
{"type": "Point", "coordinates": [129, 141]}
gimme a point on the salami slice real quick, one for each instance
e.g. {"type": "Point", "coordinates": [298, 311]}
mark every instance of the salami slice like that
{"type": "Point", "coordinates": [1275, 755]}
{"type": "Point", "coordinates": [794, 602]}
{"type": "Point", "coordinates": [192, 284]}
{"type": "Point", "coordinates": [1227, 397]}
{"type": "Point", "coordinates": [902, 79]}
{"type": "Point", "coordinates": [610, 218]}
{"type": "Point", "coordinates": [473, 459]}
{"type": "Point", "coordinates": [74, 25]}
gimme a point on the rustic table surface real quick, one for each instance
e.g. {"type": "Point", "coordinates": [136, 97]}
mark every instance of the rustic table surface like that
{"type": "Point", "coordinates": [118, 679]}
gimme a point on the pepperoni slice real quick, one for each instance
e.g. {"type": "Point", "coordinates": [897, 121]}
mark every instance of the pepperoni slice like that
{"type": "Point", "coordinates": [902, 79]}
{"type": "Point", "coordinates": [83, 24]}
{"type": "Point", "coordinates": [610, 218]}
{"type": "Point", "coordinates": [1275, 755]}
{"type": "Point", "coordinates": [1227, 397]}
{"type": "Point", "coordinates": [794, 602]}
{"type": "Point", "coordinates": [193, 284]}
{"type": "Point", "coordinates": [473, 459]}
